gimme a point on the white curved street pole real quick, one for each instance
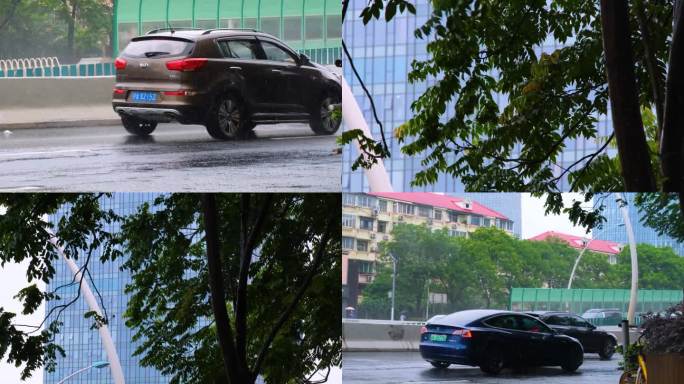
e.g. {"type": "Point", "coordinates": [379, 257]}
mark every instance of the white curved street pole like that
{"type": "Point", "coordinates": [574, 267]}
{"type": "Point", "coordinates": [378, 180]}
{"type": "Point", "coordinates": [107, 342]}
{"type": "Point", "coordinates": [633, 253]}
{"type": "Point", "coordinates": [80, 371]}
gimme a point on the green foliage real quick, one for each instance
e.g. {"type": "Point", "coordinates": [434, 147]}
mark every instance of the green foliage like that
{"type": "Point", "coordinates": [479, 271]}
{"type": "Point", "coordinates": [39, 28]}
{"type": "Point", "coordinates": [481, 51]}
{"type": "Point", "coordinates": [630, 362]}
{"type": "Point", "coordinates": [371, 150]}
{"type": "Point", "coordinates": [662, 212]}
{"type": "Point", "coordinates": [163, 247]}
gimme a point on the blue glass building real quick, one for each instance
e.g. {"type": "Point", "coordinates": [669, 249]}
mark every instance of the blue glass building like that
{"type": "Point", "coordinates": [82, 345]}
{"type": "Point", "coordinates": [383, 52]}
{"type": "Point", "coordinates": [614, 229]}
{"type": "Point", "coordinates": [509, 204]}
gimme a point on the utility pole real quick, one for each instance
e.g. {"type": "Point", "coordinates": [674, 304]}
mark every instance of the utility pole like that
{"type": "Point", "coordinates": [394, 281]}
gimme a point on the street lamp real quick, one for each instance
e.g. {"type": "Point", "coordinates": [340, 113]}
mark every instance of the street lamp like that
{"type": "Point", "coordinates": [394, 281]}
{"type": "Point", "coordinates": [97, 364]}
{"type": "Point", "coordinates": [633, 256]}
{"type": "Point", "coordinates": [586, 241]}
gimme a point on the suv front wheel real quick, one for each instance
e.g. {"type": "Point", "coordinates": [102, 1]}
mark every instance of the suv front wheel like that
{"type": "Point", "coordinates": [138, 127]}
{"type": "Point", "coordinates": [227, 118]}
{"type": "Point", "coordinates": [325, 120]}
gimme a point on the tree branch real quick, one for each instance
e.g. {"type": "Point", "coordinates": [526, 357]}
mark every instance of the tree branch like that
{"type": "Point", "coordinates": [318, 258]}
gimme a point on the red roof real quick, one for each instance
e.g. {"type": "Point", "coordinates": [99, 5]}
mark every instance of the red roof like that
{"type": "Point", "coordinates": [441, 201]}
{"type": "Point", "coordinates": [578, 242]}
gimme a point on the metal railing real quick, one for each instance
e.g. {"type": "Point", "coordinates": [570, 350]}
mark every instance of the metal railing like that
{"type": "Point", "coordinates": [50, 66]}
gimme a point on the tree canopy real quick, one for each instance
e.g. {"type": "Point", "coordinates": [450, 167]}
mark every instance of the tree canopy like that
{"type": "Point", "coordinates": [270, 261]}
{"type": "Point", "coordinates": [479, 271]}
{"type": "Point", "coordinates": [512, 108]}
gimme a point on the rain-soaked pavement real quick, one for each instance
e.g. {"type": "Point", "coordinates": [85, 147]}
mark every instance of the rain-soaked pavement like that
{"type": "Point", "coordinates": [408, 367]}
{"type": "Point", "coordinates": [285, 157]}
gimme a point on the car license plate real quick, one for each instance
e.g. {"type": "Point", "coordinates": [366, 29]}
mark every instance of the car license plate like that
{"type": "Point", "coordinates": [438, 337]}
{"type": "Point", "coordinates": [144, 96]}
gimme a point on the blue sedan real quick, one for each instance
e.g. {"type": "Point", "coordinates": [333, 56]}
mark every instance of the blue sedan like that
{"type": "Point", "coordinates": [494, 339]}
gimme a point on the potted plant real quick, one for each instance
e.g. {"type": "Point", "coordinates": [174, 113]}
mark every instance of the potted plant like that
{"type": "Point", "coordinates": [663, 345]}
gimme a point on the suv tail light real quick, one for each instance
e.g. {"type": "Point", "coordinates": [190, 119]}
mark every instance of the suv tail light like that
{"type": "Point", "coordinates": [119, 63]}
{"type": "Point", "coordinates": [186, 65]}
{"type": "Point", "coordinates": [464, 333]}
{"type": "Point", "coordinates": [119, 91]}
{"type": "Point", "coordinates": [423, 329]}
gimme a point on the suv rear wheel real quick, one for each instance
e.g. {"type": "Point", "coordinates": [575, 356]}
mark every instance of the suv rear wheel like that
{"type": "Point", "coordinates": [227, 118]}
{"type": "Point", "coordinates": [138, 127]}
{"type": "Point", "coordinates": [573, 360]}
{"type": "Point", "coordinates": [607, 350]}
{"type": "Point", "coordinates": [323, 120]}
{"type": "Point", "coordinates": [492, 361]}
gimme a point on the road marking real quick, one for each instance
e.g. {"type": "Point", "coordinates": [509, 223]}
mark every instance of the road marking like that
{"type": "Point", "coordinates": [61, 151]}
{"type": "Point", "coordinates": [294, 137]}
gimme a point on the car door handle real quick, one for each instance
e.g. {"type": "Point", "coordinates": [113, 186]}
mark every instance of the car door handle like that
{"type": "Point", "coordinates": [276, 71]}
{"type": "Point", "coordinates": [236, 68]}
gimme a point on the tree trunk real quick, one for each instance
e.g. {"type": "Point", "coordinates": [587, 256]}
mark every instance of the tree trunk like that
{"type": "Point", "coordinates": [651, 66]}
{"type": "Point", "coordinates": [624, 98]}
{"type": "Point", "coordinates": [232, 362]}
{"type": "Point", "coordinates": [672, 143]}
{"type": "Point", "coordinates": [71, 31]}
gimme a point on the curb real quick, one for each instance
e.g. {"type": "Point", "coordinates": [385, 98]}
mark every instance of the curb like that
{"type": "Point", "coordinates": [60, 124]}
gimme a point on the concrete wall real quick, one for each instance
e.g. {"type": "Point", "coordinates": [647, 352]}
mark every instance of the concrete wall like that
{"type": "Point", "coordinates": [55, 92]}
{"type": "Point", "coordinates": [389, 336]}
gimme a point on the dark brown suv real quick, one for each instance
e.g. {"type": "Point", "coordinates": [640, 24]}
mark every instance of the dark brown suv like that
{"type": "Point", "coordinates": [226, 79]}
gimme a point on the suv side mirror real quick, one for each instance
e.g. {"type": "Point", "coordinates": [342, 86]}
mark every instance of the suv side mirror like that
{"type": "Point", "coordinates": [338, 63]}
{"type": "Point", "coordinates": [304, 59]}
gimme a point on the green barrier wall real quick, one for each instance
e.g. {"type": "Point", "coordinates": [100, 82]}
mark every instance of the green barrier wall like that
{"type": "Point", "coordinates": [311, 25]}
{"type": "Point", "coordinates": [580, 300]}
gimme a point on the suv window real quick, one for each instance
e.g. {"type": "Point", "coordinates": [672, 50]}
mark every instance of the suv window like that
{"type": "Point", "coordinates": [157, 48]}
{"type": "Point", "coordinates": [239, 49]}
{"type": "Point", "coordinates": [557, 320]}
{"type": "Point", "coordinates": [579, 322]}
{"type": "Point", "coordinates": [276, 53]}
{"type": "Point", "coordinates": [507, 322]}
{"type": "Point", "coordinates": [530, 324]}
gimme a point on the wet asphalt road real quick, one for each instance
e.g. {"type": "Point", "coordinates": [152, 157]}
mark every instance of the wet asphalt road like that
{"type": "Point", "coordinates": [285, 157]}
{"type": "Point", "coordinates": [408, 367]}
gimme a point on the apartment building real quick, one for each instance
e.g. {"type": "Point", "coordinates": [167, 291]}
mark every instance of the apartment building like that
{"type": "Point", "coordinates": [368, 220]}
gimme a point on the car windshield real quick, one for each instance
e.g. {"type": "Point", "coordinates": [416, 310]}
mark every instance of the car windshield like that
{"type": "Point", "coordinates": [593, 315]}
{"type": "Point", "coordinates": [157, 48]}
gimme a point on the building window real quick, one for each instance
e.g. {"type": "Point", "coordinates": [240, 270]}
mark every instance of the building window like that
{"type": "Point", "coordinates": [476, 220]}
{"type": "Point", "coordinates": [347, 242]}
{"type": "Point", "coordinates": [362, 245]}
{"type": "Point", "coordinates": [463, 219]}
{"type": "Point", "coordinates": [486, 222]}
{"type": "Point", "coordinates": [366, 223]}
{"type": "Point", "coordinates": [365, 201]}
{"type": "Point", "coordinates": [438, 214]}
{"type": "Point", "coordinates": [612, 259]}
{"type": "Point", "coordinates": [348, 221]}
{"type": "Point", "coordinates": [382, 226]}
{"type": "Point", "coordinates": [348, 199]}
{"type": "Point", "coordinates": [404, 208]}
{"type": "Point", "coordinates": [424, 211]}
{"type": "Point", "coordinates": [453, 216]}
{"type": "Point", "coordinates": [382, 205]}
{"type": "Point", "coordinates": [455, 233]}
{"type": "Point", "coordinates": [367, 267]}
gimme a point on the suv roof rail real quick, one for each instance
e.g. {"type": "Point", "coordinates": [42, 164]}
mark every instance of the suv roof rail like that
{"type": "Point", "coordinates": [172, 29]}
{"type": "Point", "coordinates": [208, 31]}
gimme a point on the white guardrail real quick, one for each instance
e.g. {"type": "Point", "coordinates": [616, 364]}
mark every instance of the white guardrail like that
{"type": "Point", "coordinates": [29, 63]}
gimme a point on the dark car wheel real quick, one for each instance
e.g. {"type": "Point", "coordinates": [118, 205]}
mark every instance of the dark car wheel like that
{"type": "Point", "coordinates": [138, 127]}
{"type": "Point", "coordinates": [607, 350]}
{"type": "Point", "coordinates": [324, 121]}
{"type": "Point", "coordinates": [440, 364]}
{"type": "Point", "coordinates": [574, 359]}
{"type": "Point", "coordinates": [227, 118]}
{"type": "Point", "coordinates": [493, 361]}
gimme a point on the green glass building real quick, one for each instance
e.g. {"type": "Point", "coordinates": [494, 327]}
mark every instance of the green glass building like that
{"type": "Point", "coordinates": [313, 27]}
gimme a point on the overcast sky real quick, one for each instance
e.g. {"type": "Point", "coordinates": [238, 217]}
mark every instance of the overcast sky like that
{"type": "Point", "coordinates": [535, 222]}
